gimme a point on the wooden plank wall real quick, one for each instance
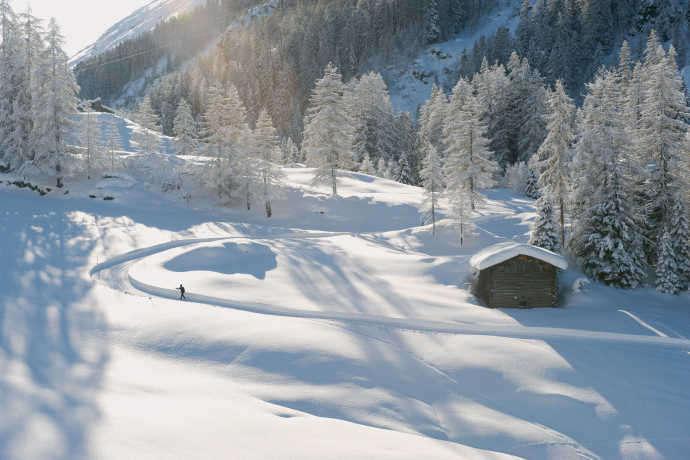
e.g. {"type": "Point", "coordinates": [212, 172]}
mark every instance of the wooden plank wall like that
{"type": "Point", "coordinates": [521, 282]}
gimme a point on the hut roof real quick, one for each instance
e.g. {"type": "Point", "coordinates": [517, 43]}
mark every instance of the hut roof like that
{"type": "Point", "coordinates": [488, 257]}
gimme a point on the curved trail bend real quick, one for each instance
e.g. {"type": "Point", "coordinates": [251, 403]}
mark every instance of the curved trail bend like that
{"type": "Point", "coordinates": [114, 273]}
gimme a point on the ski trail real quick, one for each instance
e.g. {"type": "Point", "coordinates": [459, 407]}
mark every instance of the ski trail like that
{"type": "Point", "coordinates": [642, 323]}
{"type": "Point", "coordinates": [117, 277]}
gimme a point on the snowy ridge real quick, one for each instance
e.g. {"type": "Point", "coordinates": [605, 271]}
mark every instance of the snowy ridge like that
{"type": "Point", "coordinates": [488, 257]}
{"type": "Point", "coordinates": [141, 20]}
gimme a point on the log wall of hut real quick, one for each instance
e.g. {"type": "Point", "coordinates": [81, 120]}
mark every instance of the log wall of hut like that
{"type": "Point", "coordinates": [520, 282]}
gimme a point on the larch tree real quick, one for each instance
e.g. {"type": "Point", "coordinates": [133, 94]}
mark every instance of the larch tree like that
{"type": "Point", "coordinates": [52, 137]}
{"type": "Point", "coordinates": [146, 134]}
{"type": "Point", "coordinates": [91, 140]}
{"type": "Point", "coordinates": [272, 179]}
{"type": "Point", "coordinates": [661, 139]}
{"type": "Point", "coordinates": [185, 141]}
{"type": "Point", "coordinates": [468, 164]}
{"type": "Point", "coordinates": [9, 73]}
{"type": "Point", "coordinates": [554, 155]}
{"type": "Point", "coordinates": [113, 142]}
{"type": "Point", "coordinates": [432, 182]}
{"type": "Point", "coordinates": [327, 131]}
{"type": "Point", "coordinates": [431, 119]}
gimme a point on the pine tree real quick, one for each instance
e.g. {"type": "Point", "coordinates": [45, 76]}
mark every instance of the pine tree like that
{"type": "Point", "coordinates": [185, 130]}
{"type": "Point", "coordinates": [667, 272]}
{"type": "Point", "coordinates": [56, 108]}
{"type": "Point", "coordinates": [270, 173]}
{"type": "Point", "coordinates": [91, 140]}
{"type": "Point", "coordinates": [113, 142]}
{"type": "Point", "coordinates": [468, 165]}
{"type": "Point", "coordinates": [544, 230]}
{"type": "Point", "coordinates": [553, 157]}
{"type": "Point", "coordinates": [679, 233]}
{"type": "Point", "coordinates": [432, 182]}
{"type": "Point", "coordinates": [367, 167]}
{"type": "Point", "coordinates": [327, 132]}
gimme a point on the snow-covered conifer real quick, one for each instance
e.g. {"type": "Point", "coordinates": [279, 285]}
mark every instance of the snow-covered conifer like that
{"type": "Point", "coordinates": [9, 73]}
{"type": "Point", "coordinates": [531, 188]}
{"type": "Point", "coordinates": [403, 172]}
{"type": "Point", "coordinates": [184, 129]}
{"type": "Point", "coordinates": [271, 175]}
{"type": "Point", "coordinates": [606, 235]}
{"type": "Point", "coordinates": [553, 157]}
{"type": "Point", "coordinates": [432, 182]}
{"type": "Point", "coordinates": [146, 134]}
{"type": "Point", "coordinates": [367, 167]}
{"type": "Point", "coordinates": [661, 136]}
{"type": "Point", "coordinates": [544, 231]}
{"type": "Point", "coordinates": [381, 168]}
{"type": "Point", "coordinates": [52, 137]}
{"type": "Point", "coordinates": [431, 119]}
{"type": "Point", "coordinates": [673, 254]}
{"type": "Point", "coordinates": [327, 132]}
{"type": "Point", "coordinates": [113, 142]}
{"type": "Point", "coordinates": [91, 140]}
{"type": "Point", "coordinates": [468, 161]}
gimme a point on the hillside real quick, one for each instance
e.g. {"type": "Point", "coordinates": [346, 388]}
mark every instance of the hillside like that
{"type": "Point", "coordinates": [141, 20]}
{"type": "Point", "coordinates": [335, 319]}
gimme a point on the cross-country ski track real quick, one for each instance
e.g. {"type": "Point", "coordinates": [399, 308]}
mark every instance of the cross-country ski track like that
{"type": "Point", "coordinates": [114, 273]}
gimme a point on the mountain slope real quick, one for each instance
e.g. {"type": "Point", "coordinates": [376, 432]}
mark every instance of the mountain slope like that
{"type": "Point", "coordinates": [143, 19]}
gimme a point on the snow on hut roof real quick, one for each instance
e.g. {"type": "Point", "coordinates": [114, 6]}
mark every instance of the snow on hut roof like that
{"type": "Point", "coordinates": [488, 257]}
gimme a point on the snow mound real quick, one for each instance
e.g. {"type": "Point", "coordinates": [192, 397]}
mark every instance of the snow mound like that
{"type": "Point", "coordinates": [488, 257]}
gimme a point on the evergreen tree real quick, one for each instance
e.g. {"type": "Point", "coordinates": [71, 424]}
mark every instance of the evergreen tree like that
{"type": "Point", "coordinates": [468, 165]}
{"type": "Point", "coordinates": [403, 172]}
{"type": "Point", "coordinates": [381, 168]}
{"type": "Point", "coordinates": [367, 167]}
{"type": "Point", "coordinates": [544, 231]}
{"type": "Point", "coordinates": [553, 157]}
{"type": "Point", "coordinates": [327, 132]}
{"type": "Point", "coordinates": [113, 142]}
{"type": "Point", "coordinates": [56, 108]}
{"type": "Point", "coordinates": [9, 50]}
{"type": "Point", "coordinates": [270, 173]}
{"type": "Point", "coordinates": [432, 116]}
{"type": "Point", "coordinates": [91, 140]}
{"type": "Point", "coordinates": [661, 135]}
{"type": "Point", "coordinates": [185, 130]}
{"type": "Point", "coordinates": [432, 182]}
{"type": "Point", "coordinates": [146, 134]}
{"type": "Point", "coordinates": [532, 189]}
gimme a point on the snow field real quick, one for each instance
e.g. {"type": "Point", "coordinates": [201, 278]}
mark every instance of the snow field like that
{"type": "Point", "coordinates": [90, 372]}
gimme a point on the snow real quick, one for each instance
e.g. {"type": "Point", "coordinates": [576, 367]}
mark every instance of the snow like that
{"type": "Point", "coordinates": [141, 20]}
{"type": "Point", "coordinates": [347, 334]}
{"type": "Point", "coordinates": [407, 91]}
{"type": "Point", "coordinates": [488, 257]}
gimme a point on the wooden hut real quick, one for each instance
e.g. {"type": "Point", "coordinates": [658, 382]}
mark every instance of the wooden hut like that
{"type": "Point", "coordinates": [515, 275]}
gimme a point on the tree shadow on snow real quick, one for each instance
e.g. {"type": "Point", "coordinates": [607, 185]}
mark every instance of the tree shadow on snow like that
{"type": "Point", "coordinates": [53, 348]}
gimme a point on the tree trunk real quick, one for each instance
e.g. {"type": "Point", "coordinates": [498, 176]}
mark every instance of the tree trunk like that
{"type": "Point", "coordinates": [268, 209]}
{"type": "Point", "coordinates": [433, 220]}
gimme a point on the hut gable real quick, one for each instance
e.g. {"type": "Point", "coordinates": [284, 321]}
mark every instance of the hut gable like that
{"type": "Point", "coordinates": [513, 275]}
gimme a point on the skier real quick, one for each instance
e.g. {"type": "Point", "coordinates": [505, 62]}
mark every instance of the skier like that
{"type": "Point", "coordinates": [181, 289]}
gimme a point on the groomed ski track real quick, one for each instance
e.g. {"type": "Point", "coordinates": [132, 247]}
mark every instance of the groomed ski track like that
{"type": "Point", "coordinates": [114, 273]}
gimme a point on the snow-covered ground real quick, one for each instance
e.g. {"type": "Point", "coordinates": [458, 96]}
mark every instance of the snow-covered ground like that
{"type": "Point", "coordinates": [337, 328]}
